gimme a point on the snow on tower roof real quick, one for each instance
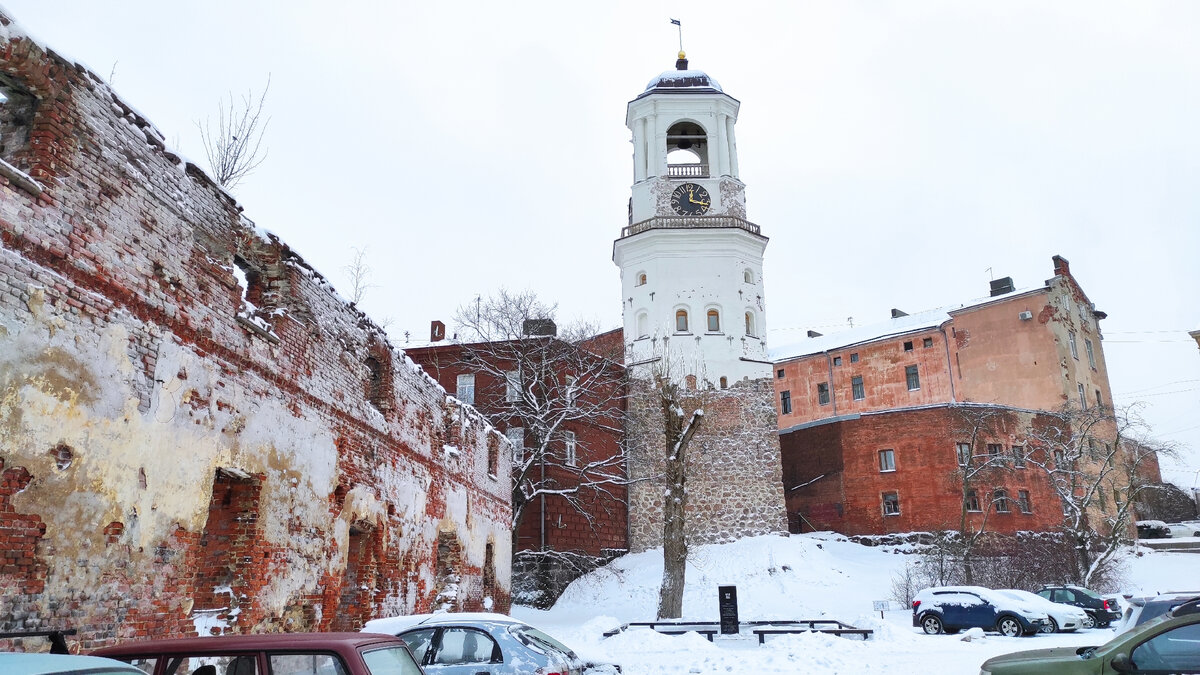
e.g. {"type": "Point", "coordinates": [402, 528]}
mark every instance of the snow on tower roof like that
{"type": "Point", "coordinates": [901, 325]}
{"type": "Point", "coordinates": [684, 79]}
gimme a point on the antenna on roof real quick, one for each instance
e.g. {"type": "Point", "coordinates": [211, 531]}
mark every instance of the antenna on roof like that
{"type": "Point", "coordinates": [991, 275]}
{"type": "Point", "coordinates": [850, 320]}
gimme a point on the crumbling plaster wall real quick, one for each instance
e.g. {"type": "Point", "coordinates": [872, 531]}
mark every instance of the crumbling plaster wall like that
{"type": "Point", "coordinates": [134, 364]}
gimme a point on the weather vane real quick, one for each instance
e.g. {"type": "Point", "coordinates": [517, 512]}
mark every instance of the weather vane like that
{"type": "Point", "coordinates": [675, 22]}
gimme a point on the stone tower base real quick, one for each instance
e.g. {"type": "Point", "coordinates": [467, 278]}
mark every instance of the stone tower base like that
{"type": "Point", "coordinates": [735, 484]}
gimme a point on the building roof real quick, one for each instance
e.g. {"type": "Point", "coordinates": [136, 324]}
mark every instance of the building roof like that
{"type": "Point", "coordinates": [902, 325]}
{"type": "Point", "coordinates": [684, 79]}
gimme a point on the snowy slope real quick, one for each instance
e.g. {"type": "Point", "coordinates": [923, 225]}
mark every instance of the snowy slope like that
{"type": "Point", "coordinates": [798, 577]}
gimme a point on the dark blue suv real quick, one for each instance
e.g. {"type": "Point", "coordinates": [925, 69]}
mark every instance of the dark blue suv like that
{"type": "Point", "coordinates": [949, 609]}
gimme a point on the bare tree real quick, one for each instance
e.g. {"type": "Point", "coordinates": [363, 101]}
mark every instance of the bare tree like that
{"type": "Point", "coordinates": [359, 273]}
{"type": "Point", "coordinates": [552, 385]}
{"type": "Point", "coordinates": [679, 425]}
{"type": "Point", "coordinates": [234, 149]}
{"type": "Point", "coordinates": [981, 469]}
{"type": "Point", "coordinates": [1098, 469]}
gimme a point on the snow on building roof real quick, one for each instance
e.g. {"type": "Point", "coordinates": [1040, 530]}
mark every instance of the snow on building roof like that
{"type": "Point", "coordinates": [684, 79]}
{"type": "Point", "coordinates": [910, 323]}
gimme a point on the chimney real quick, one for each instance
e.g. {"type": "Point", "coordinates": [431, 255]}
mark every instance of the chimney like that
{"type": "Point", "coordinates": [539, 328]}
{"type": "Point", "coordinates": [437, 331]}
{"type": "Point", "coordinates": [1062, 267]}
{"type": "Point", "coordinates": [896, 314]}
{"type": "Point", "coordinates": [813, 333]}
{"type": "Point", "coordinates": [1002, 286]}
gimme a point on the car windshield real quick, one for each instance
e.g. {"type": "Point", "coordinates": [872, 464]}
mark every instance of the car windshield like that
{"type": "Point", "coordinates": [390, 661]}
{"type": "Point", "coordinates": [537, 639]}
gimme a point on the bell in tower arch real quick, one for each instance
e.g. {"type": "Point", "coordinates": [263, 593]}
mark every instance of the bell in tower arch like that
{"type": "Point", "coordinates": [687, 150]}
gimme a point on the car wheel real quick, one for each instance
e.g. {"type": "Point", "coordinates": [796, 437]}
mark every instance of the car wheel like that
{"type": "Point", "coordinates": [1051, 626]}
{"type": "Point", "coordinates": [1009, 627]}
{"type": "Point", "coordinates": [1089, 621]}
{"type": "Point", "coordinates": [931, 625]}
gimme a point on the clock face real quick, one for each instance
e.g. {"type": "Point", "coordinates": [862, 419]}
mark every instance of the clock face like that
{"type": "Point", "coordinates": [690, 199]}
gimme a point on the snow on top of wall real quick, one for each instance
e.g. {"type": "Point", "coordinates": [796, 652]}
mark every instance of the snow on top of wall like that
{"type": "Point", "coordinates": [925, 320]}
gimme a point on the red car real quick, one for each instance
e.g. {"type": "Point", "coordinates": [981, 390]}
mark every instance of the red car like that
{"type": "Point", "coordinates": [270, 654]}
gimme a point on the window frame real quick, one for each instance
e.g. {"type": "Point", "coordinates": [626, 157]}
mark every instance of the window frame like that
{"type": "Point", "coordinates": [960, 449]}
{"type": "Point", "coordinates": [1000, 501]}
{"type": "Point", "coordinates": [712, 320]}
{"type": "Point", "coordinates": [971, 501]}
{"type": "Point", "coordinates": [459, 388]}
{"type": "Point", "coordinates": [823, 396]}
{"type": "Point", "coordinates": [1071, 342]}
{"type": "Point", "coordinates": [785, 402]}
{"type": "Point", "coordinates": [1091, 352]}
{"type": "Point", "coordinates": [858, 390]}
{"type": "Point", "coordinates": [570, 448]}
{"type": "Point", "coordinates": [912, 376]}
{"type": "Point", "coordinates": [685, 323]}
{"type": "Point", "coordinates": [1018, 454]}
{"type": "Point", "coordinates": [512, 386]}
{"type": "Point", "coordinates": [1023, 502]}
{"type": "Point", "coordinates": [891, 498]}
{"type": "Point", "coordinates": [887, 460]}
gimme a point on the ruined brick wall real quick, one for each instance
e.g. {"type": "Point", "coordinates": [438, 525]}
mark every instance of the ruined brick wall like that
{"type": "Point", "coordinates": [850, 500]}
{"type": "Point", "coordinates": [196, 434]}
{"type": "Point", "coordinates": [734, 481]}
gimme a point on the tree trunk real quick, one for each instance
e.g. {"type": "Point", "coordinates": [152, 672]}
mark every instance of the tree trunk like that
{"type": "Point", "coordinates": [675, 549]}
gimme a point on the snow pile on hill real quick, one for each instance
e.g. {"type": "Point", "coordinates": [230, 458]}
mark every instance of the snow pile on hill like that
{"type": "Point", "coordinates": [813, 576]}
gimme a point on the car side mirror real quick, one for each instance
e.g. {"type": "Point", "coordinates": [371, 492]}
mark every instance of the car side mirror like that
{"type": "Point", "coordinates": [1121, 663]}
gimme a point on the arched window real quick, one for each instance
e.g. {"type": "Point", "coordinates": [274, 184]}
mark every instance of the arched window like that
{"type": "Point", "coordinates": [643, 325]}
{"type": "Point", "coordinates": [748, 276]}
{"type": "Point", "coordinates": [687, 150]}
{"type": "Point", "coordinates": [724, 382]}
{"type": "Point", "coordinates": [750, 329]}
{"type": "Point", "coordinates": [714, 321]}
{"type": "Point", "coordinates": [681, 321]}
{"type": "Point", "coordinates": [641, 279]}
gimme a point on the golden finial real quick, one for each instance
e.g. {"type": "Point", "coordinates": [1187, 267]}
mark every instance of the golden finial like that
{"type": "Point", "coordinates": [682, 54]}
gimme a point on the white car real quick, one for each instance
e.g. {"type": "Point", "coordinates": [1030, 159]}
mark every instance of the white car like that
{"type": "Point", "coordinates": [1063, 618]}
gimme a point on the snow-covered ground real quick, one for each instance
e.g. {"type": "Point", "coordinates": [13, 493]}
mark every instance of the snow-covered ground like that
{"type": "Point", "coordinates": [797, 577]}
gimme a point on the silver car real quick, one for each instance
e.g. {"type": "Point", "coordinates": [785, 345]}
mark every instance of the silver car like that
{"type": "Point", "coordinates": [482, 644]}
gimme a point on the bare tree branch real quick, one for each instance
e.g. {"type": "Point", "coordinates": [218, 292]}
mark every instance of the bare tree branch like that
{"type": "Point", "coordinates": [234, 149]}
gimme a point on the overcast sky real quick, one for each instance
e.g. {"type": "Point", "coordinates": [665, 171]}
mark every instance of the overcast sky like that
{"type": "Point", "coordinates": [893, 152]}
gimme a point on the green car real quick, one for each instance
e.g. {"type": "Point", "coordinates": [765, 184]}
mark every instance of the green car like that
{"type": "Point", "coordinates": [1169, 644]}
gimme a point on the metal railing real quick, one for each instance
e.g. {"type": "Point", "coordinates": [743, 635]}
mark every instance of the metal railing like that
{"type": "Point", "coordinates": [687, 170]}
{"type": "Point", "coordinates": [689, 223]}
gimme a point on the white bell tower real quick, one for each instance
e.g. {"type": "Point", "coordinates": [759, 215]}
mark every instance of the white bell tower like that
{"type": "Point", "coordinates": [691, 264]}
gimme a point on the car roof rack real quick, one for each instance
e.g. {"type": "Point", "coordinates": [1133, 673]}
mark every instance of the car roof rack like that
{"type": "Point", "coordinates": [1189, 607]}
{"type": "Point", "coordinates": [58, 640]}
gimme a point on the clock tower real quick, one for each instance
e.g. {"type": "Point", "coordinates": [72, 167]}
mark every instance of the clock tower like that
{"type": "Point", "coordinates": [693, 309]}
{"type": "Point", "coordinates": [691, 263]}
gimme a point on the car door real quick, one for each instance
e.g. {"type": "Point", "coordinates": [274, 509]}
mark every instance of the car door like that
{"type": "Point", "coordinates": [458, 650]}
{"type": "Point", "coordinates": [959, 610]}
{"type": "Point", "coordinates": [1173, 651]}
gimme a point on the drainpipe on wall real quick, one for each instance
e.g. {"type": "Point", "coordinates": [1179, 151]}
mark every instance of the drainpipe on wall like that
{"type": "Point", "coordinates": [949, 366]}
{"type": "Point", "coordinates": [832, 396]}
{"type": "Point", "coordinates": [542, 499]}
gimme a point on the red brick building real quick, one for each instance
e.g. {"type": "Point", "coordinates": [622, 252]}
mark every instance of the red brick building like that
{"type": "Point", "coordinates": [198, 434]}
{"type": "Point", "coordinates": [871, 418]}
{"type": "Point", "coordinates": [564, 428]}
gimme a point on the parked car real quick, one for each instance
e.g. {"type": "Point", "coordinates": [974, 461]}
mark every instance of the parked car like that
{"type": "Point", "coordinates": [469, 643]}
{"type": "Point", "coordinates": [1167, 644]}
{"type": "Point", "coordinates": [1101, 612]}
{"type": "Point", "coordinates": [1061, 618]}
{"type": "Point", "coordinates": [269, 654]}
{"type": "Point", "coordinates": [63, 664]}
{"type": "Point", "coordinates": [948, 609]}
{"type": "Point", "coordinates": [1139, 610]}
{"type": "Point", "coordinates": [1179, 530]}
{"type": "Point", "coordinates": [1152, 529]}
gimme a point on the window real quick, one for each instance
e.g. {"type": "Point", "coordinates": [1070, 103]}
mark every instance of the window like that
{"type": "Point", "coordinates": [643, 325]}
{"type": "Point", "coordinates": [887, 460]}
{"type": "Point", "coordinates": [374, 381]}
{"type": "Point", "coordinates": [301, 664]}
{"type": "Point", "coordinates": [516, 436]}
{"type": "Point", "coordinates": [714, 321]}
{"type": "Point", "coordinates": [724, 382]}
{"type": "Point", "coordinates": [1023, 501]}
{"type": "Point", "coordinates": [913, 379]}
{"type": "Point", "coordinates": [681, 322]}
{"type": "Point", "coordinates": [994, 449]}
{"type": "Point", "coordinates": [779, 374]}
{"type": "Point", "coordinates": [1018, 453]}
{"type": "Point", "coordinates": [1099, 401]}
{"type": "Point", "coordinates": [512, 386]}
{"type": "Point", "coordinates": [1087, 344]}
{"type": "Point", "coordinates": [748, 276]}
{"type": "Point", "coordinates": [1000, 499]}
{"type": "Point", "coordinates": [641, 279]}
{"type": "Point", "coordinates": [1171, 651]}
{"type": "Point", "coordinates": [750, 329]}
{"type": "Point", "coordinates": [1071, 342]}
{"type": "Point", "coordinates": [891, 504]}
{"type": "Point", "coordinates": [856, 388]}
{"type": "Point", "coordinates": [459, 646]}
{"type": "Point", "coordinates": [785, 402]}
{"type": "Point", "coordinates": [464, 389]}
{"type": "Point", "coordinates": [908, 346]}
{"type": "Point", "coordinates": [569, 455]}
{"type": "Point", "coordinates": [927, 343]}
{"type": "Point", "coordinates": [1082, 397]}
{"type": "Point", "coordinates": [964, 454]}
{"type": "Point", "coordinates": [837, 360]}
{"type": "Point", "coordinates": [823, 393]}
{"type": "Point", "coordinates": [971, 501]}
{"type": "Point", "coordinates": [854, 357]}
